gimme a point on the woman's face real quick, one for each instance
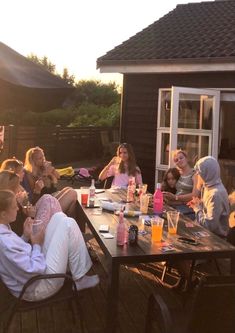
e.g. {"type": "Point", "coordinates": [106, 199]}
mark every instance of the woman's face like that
{"type": "Point", "coordinates": [11, 211]}
{"type": "Point", "coordinates": [171, 181]}
{"type": "Point", "coordinates": [123, 154]}
{"type": "Point", "coordinates": [180, 161]}
{"type": "Point", "coordinates": [38, 159]}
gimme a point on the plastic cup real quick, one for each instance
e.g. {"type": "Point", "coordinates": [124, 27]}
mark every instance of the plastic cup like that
{"type": "Point", "coordinates": [84, 195]}
{"type": "Point", "coordinates": [172, 219]}
{"type": "Point", "coordinates": [141, 223]}
{"type": "Point", "coordinates": [144, 203]}
{"type": "Point", "coordinates": [157, 227]}
{"type": "Point", "coordinates": [37, 226]}
{"type": "Point", "coordinates": [142, 189]}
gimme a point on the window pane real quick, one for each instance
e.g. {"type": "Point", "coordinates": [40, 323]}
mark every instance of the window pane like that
{"type": "Point", "coordinates": [195, 111]}
{"type": "Point", "coordinates": [195, 146]}
{"type": "Point", "coordinates": [165, 115]}
{"type": "Point", "coordinates": [165, 148]}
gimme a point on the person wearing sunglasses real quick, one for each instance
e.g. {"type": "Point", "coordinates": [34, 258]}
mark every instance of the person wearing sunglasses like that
{"type": "Point", "coordinates": [122, 167]}
{"type": "Point", "coordinates": [186, 186]}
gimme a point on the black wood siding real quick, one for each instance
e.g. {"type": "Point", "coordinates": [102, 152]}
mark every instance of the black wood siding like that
{"type": "Point", "coordinates": [139, 109]}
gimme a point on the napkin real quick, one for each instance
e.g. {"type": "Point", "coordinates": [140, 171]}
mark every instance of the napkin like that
{"type": "Point", "coordinates": [112, 206]}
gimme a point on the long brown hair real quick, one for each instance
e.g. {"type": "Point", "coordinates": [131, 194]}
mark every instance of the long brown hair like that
{"type": "Point", "coordinates": [6, 197]}
{"type": "Point", "coordinates": [165, 186]}
{"type": "Point", "coordinates": [131, 162]}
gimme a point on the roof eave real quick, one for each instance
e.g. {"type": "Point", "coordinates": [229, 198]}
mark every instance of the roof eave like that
{"type": "Point", "coordinates": [169, 67]}
{"type": "Point", "coordinates": [138, 62]}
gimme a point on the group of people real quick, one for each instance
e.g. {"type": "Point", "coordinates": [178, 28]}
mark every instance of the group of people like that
{"type": "Point", "coordinates": [196, 192]}
{"type": "Point", "coordinates": [27, 194]}
{"type": "Point", "coordinates": [59, 244]}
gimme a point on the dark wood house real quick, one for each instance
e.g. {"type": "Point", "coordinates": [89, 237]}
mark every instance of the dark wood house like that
{"type": "Point", "coordinates": [179, 87]}
{"type": "Point", "coordinates": [25, 85]}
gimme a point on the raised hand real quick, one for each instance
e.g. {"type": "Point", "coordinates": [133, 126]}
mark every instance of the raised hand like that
{"type": "Point", "coordinates": [27, 229]}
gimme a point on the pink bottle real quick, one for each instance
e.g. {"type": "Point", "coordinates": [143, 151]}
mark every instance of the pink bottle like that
{"type": "Point", "coordinates": [158, 200]}
{"type": "Point", "coordinates": [121, 230]}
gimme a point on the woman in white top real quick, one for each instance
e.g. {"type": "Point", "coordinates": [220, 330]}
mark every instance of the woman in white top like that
{"type": "Point", "coordinates": [122, 167]}
{"type": "Point", "coordinates": [50, 251]}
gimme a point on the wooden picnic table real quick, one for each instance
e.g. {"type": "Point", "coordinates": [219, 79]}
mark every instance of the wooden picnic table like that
{"type": "Point", "coordinates": [209, 246]}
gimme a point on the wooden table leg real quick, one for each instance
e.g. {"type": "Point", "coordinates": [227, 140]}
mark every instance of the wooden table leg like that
{"type": "Point", "coordinates": [112, 301]}
{"type": "Point", "coordinates": [232, 267]}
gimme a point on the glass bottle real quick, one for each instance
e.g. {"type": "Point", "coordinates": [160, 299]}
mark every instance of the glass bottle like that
{"type": "Point", "coordinates": [158, 200]}
{"type": "Point", "coordinates": [121, 230]}
{"type": "Point", "coordinates": [92, 194]}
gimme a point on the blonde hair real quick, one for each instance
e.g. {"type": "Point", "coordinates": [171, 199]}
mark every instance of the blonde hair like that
{"type": "Point", "coordinates": [11, 164]}
{"type": "Point", "coordinates": [6, 197]}
{"type": "Point", "coordinates": [175, 152]}
{"type": "Point", "coordinates": [29, 158]}
{"type": "Point", "coordinates": [9, 180]}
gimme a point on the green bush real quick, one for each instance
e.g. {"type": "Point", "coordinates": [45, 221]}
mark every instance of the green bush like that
{"type": "Point", "coordinates": [61, 117]}
{"type": "Point", "coordinates": [91, 114]}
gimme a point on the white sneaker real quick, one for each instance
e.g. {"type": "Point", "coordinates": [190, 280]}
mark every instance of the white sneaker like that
{"type": "Point", "coordinates": [87, 282]}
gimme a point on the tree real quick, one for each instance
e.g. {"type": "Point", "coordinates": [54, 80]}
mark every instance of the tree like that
{"type": "Point", "coordinates": [70, 79]}
{"type": "Point", "coordinates": [49, 66]}
{"type": "Point", "coordinates": [96, 92]}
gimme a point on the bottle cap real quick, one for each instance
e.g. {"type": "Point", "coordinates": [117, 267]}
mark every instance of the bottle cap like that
{"type": "Point", "coordinates": [158, 187]}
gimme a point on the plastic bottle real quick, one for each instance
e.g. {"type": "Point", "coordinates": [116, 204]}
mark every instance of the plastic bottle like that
{"type": "Point", "coordinates": [158, 200]}
{"type": "Point", "coordinates": [92, 194]}
{"type": "Point", "coordinates": [121, 230]}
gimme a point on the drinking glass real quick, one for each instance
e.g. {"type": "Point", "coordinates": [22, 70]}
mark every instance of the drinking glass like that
{"type": "Point", "coordinates": [144, 203]}
{"type": "Point", "coordinates": [142, 189]}
{"type": "Point", "coordinates": [37, 226]}
{"type": "Point", "coordinates": [157, 227]}
{"type": "Point", "coordinates": [172, 219]}
{"type": "Point", "coordinates": [84, 195]}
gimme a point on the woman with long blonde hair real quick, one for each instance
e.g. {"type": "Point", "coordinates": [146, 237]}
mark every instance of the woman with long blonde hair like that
{"type": "Point", "coordinates": [41, 177]}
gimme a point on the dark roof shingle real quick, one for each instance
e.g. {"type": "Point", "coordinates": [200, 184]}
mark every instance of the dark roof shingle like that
{"type": "Point", "coordinates": [202, 31]}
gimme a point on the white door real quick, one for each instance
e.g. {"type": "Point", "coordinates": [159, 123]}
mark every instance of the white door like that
{"type": "Point", "coordinates": [188, 119]}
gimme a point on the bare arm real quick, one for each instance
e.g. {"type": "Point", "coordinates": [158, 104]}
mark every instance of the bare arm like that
{"type": "Point", "coordinates": [183, 198]}
{"type": "Point", "coordinates": [104, 173]}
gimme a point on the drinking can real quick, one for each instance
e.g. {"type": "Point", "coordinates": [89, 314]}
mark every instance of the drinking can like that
{"type": "Point", "coordinates": [133, 235]}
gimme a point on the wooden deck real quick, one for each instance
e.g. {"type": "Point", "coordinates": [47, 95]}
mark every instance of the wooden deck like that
{"type": "Point", "coordinates": [136, 284]}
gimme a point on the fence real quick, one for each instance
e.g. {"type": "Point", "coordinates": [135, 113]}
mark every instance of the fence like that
{"type": "Point", "coordinates": [60, 144]}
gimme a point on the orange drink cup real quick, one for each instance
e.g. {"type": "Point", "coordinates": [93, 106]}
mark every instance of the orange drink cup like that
{"type": "Point", "coordinates": [172, 220]}
{"type": "Point", "coordinates": [84, 195]}
{"type": "Point", "coordinates": [157, 226]}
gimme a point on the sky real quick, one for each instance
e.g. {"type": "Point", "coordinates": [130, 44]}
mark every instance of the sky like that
{"type": "Point", "coordinates": [74, 33]}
